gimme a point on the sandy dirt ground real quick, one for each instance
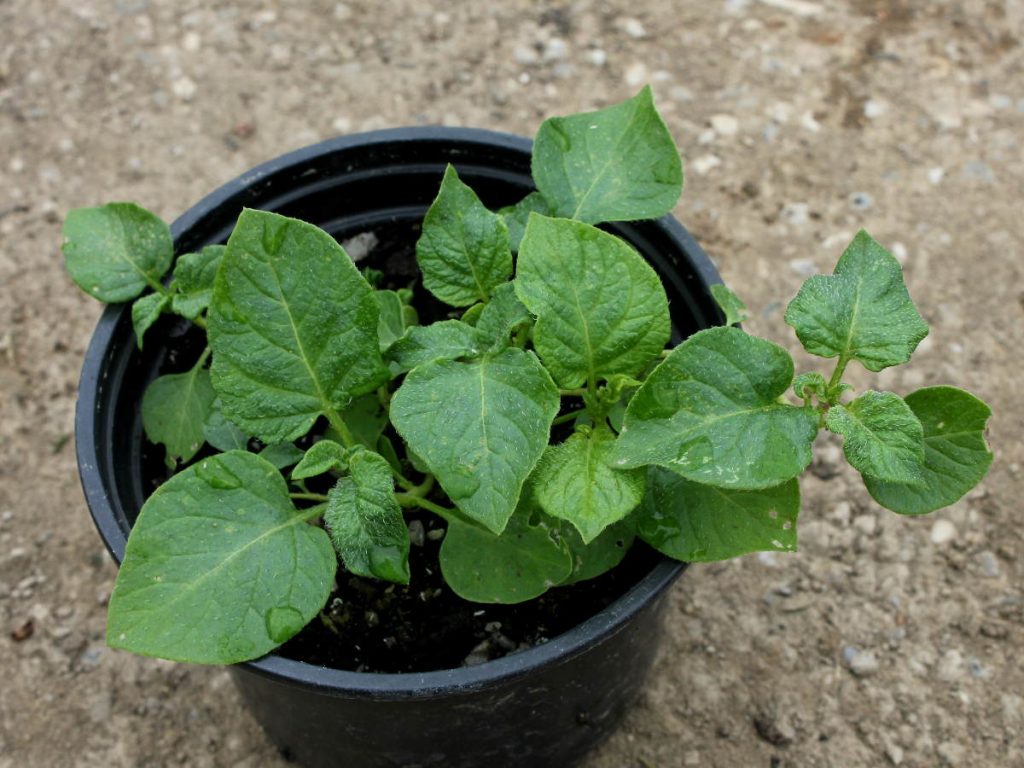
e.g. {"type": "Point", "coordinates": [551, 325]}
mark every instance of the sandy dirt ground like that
{"type": "Point", "coordinates": [885, 641]}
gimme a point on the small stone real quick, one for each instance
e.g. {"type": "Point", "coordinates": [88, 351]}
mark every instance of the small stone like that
{"type": "Point", "coordinates": [360, 246]}
{"type": "Point", "coordinates": [899, 251]}
{"type": "Point", "coordinates": [803, 267]}
{"type": "Point", "coordinates": [860, 663]}
{"type": "Point", "coordinates": [342, 125]}
{"type": "Point", "coordinates": [935, 175]}
{"type": "Point", "coordinates": [951, 666]}
{"type": "Point", "coordinates": [280, 54]}
{"type": "Point", "coordinates": [525, 54]}
{"type": "Point", "coordinates": [23, 631]}
{"type": "Point", "coordinates": [725, 125]}
{"type": "Point", "coordinates": [436, 535]}
{"type": "Point", "coordinates": [797, 214]}
{"type": "Point", "coordinates": [894, 753]}
{"type": "Point", "coordinates": [943, 532]}
{"type": "Point", "coordinates": [556, 49]}
{"type": "Point", "coordinates": [866, 524]}
{"type": "Point", "coordinates": [417, 534]}
{"type": "Point", "coordinates": [342, 12]}
{"type": "Point", "coordinates": [862, 201]}
{"type": "Point", "coordinates": [633, 27]}
{"type": "Point", "coordinates": [807, 121]}
{"type": "Point", "coordinates": [17, 165]}
{"type": "Point", "coordinates": [597, 57]}
{"type": "Point", "coordinates": [951, 753]}
{"type": "Point", "coordinates": [979, 170]}
{"type": "Point", "coordinates": [873, 109]}
{"type": "Point", "coordinates": [636, 74]}
{"type": "Point", "coordinates": [184, 88]}
{"type": "Point", "coordinates": [989, 563]}
{"type": "Point", "coordinates": [705, 164]}
{"type": "Point", "coordinates": [191, 42]}
{"type": "Point", "coordinates": [17, 553]}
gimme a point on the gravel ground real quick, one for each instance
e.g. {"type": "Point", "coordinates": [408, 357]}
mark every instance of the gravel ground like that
{"type": "Point", "coordinates": [885, 641]}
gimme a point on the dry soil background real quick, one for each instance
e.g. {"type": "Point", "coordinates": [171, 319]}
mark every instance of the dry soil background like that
{"type": "Point", "coordinates": [886, 641]}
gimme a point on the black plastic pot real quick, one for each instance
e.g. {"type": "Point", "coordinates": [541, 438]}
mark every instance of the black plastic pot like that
{"type": "Point", "coordinates": [542, 707]}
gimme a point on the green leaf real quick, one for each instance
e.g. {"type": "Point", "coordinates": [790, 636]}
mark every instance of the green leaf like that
{"type": "Point", "coordinates": [479, 426]}
{"type": "Point", "coordinates": [503, 314]}
{"type": "Point", "coordinates": [807, 384]}
{"type": "Point", "coordinates": [520, 564]}
{"type": "Point", "coordinates": [464, 250]}
{"type": "Point", "coordinates": [574, 482]}
{"type": "Point", "coordinates": [322, 457]}
{"type": "Point", "coordinates": [365, 521]}
{"type": "Point", "coordinates": [365, 418]}
{"type": "Point", "coordinates": [282, 455]}
{"type": "Point", "coordinates": [881, 436]}
{"type": "Point", "coordinates": [700, 523]}
{"type": "Point", "coordinates": [175, 408]}
{"type": "Point", "coordinates": [145, 311]}
{"type": "Point", "coordinates": [221, 433]}
{"type": "Point", "coordinates": [194, 274]}
{"type": "Point", "coordinates": [443, 340]}
{"type": "Point", "coordinates": [732, 306]}
{"type": "Point", "coordinates": [599, 556]}
{"type": "Point", "coordinates": [516, 216]}
{"type": "Point", "coordinates": [472, 315]}
{"type": "Point", "coordinates": [956, 456]}
{"type": "Point", "coordinates": [394, 317]}
{"type": "Point", "coordinates": [615, 164]}
{"type": "Point", "coordinates": [114, 251]}
{"type": "Point", "coordinates": [293, 326]}
{"type": "Point", "coordinates": [600, 308]}
{"type": "Point", "coordinates": [220, 567]}
{"type": "Point", "coordinates": [711, 412]}
{"type": "Point", "coordinates": [860, 312]}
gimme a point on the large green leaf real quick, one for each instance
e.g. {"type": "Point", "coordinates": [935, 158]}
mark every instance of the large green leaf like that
{"type": "Point", "coordinates": [114, 251]}
{"type": "Point", "coordinates": [365, 521]}
{"type": "Point", "coordinates": [956, 456]}
{"type": "Point", "coordinates": [293, 326]}
{"type": "Point", "coordinates": [712, 412]}
{"type": "Point", "coordinates": [860, 312]}
{"type": "Point", "coordinates": [395, 317]}
{"type": "Point", "coordinates": [220, 567]}
{"type": "Point", "coordinates": [599, 556]}
{"type": "Point", "coordinates": [175, 409]}
{"type": "Point", "coordinates": [221, 433]}
{"type": "Point", "coordinates": [600, 308]}
{"type": "Point", "coordinates": [503, 314]}
{"type": "Point", "coordinates": [520, 564]}
{"type": "Point", "coordinates": [881, 436]}
{"type": "Point", "coordinates": [700, 523]}
{"type": "Point", "coordinates": [365, 418]}
{"type": "Point", "coordinates": [479, 426]}
{"type": "Point", "coordinates": [574, 482]}
{"type": "Point", "coordinates": [464, 250]}
{"type": "Point", "coordinates": [615, 164]}
{"type": "Point", "coordinates": [732, 306]}
{"type": "Point", "coordinates": [194, 275]}
{"type": "Point", "coordinates": [443, 340]}
{"type": "Point", "coordinates": [516, 216]}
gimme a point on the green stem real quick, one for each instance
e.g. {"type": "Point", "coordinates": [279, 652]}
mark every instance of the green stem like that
{"type": "Point", "coordinates": [408, 500]}
{"type": "Point", "coordinates": [202, 358]}
{"type": "Point", "coordinates": [335, 420]}
{"type": "Point", "coordinates": [200, 321]}
{"type": "Point", "coordinates": [837, 377]}
{"type": "Point", "coordinates": [578, 392]}
{"type": "Point", "coordinates": [570, 416]}
{"type": "Point", "coordinates": [308, 496]}
{"type": "Point", "coordinates": [313, 512]}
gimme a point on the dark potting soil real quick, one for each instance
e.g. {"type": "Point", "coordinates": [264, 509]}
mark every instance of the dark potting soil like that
{"type": "Point", "coordinates": [375, 626]}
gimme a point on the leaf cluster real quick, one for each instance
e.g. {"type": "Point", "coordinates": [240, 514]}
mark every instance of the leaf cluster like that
{"type": "Point", "coordinates": [543, 419]}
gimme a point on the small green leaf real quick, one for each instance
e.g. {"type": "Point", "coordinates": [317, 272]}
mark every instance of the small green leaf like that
{"type": "Point", "coordinates": [599, 556]}
{"type": "Point", "coordinates": [503, 314]}
{"type": "Point", "coordinates": [807, 384]}
{"type": "Point", "coordinates": [700, 523]}
{"type": "Point", "coordinates": [145, 311]}
{"type": "Point", "coordinates": [711, 412]}
{"type": "Point", "coordinates": [114, 251]}
{"type": "Point", "coordinates": [472, 315]}
{"type": "Point", "coordinates": [615, 164]}
{"type": "Point", "coordinates": [282, 455]}
{"type": "Point", "coordinates": [322, 457]}
{"type": "Point", "coordinates": [365, 521]}
{"type": "Point", "coordinates": [732, 307]}
{"type": "Point", "coordinates": [366, 419]}
{"type": "Point", "coordinates": [956, 456]}
{"type": "Point", "coordinates": [600, 308]}
{"type": "Point", "coordinates": [220, 567]}
{"type": "Point", "coordinates": [573, 482]}
{"type": "Point", "coordinates": [221, 433]}
{"type": "Point", "coordinates": [394, 317]}
{"type": "Point", "coordinates": [881, 436]}
{"type": "Point", "coordinates": [175, 408]}
{"type": "Point", "coordinates": [860, 312]}
{"type": "Point", "coordinates": [464, 250]}
{"type": "Point", "coordinates": [293, 326]}
{"type": "Point", "coordinates": [194, 274]}
{"type": "Point", "coordinates": [479, 426]}
{"type": "Point", "coordinates": [443, 340]}
{"type": "Point", "coordinates": [520, 564]}
{"type": "Point", "coordinates": [516, 216]}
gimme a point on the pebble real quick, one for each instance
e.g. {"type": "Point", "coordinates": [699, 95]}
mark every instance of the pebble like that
{"type": "Point", "coordinates": [191, 42]}
{"type": "Point", "coordinates": [989, 563]}
{"type": "Point", "coordinates": [597, 57]}
{"type": "Point", "coordinates": [525, 54]}
{"type": "Point", "coordinates": [725, 125]}
{"type": "Point", "coordinates": [951, 666]}
{"type": "Point", "coordinates": [796, 7]}
{"type": "Point", "coordinates": [633, 27]}
{"type": "Point", "coordinates": [807, 121]}
{"type": "Point", "coordinates": [943, 532]}
{"type": "Point", "coordinates": [417, 534]}
{"type": "Point", "coordinates": [860, 663]}
{"type": "Point", "coordinates": [803, 267]}
{"type": "Point", "coordinates": [866, 524]}
{"type": "Point", "coordinates": [342, 125]}
{"type": "Point", "coordinates": [951, 753]}
{"type": "Point", "coordinates": [556, 49]}
{"type": "Point", "coordinates": [935, 175]}
{"type": "Point", "coordinates": [636, 74]}
{"type": "Point", "coordinates": [184, 88]}
{"type": "Point", "coordinates": [705, 163]}
{"type": "Point", "coordinates": [797, 214]}
{"type": "Point", "coordinates": [899, 250]}
{"type": "Point", "coordinates": [862, 201]}
{"type": "Point", "coordinates": [979, 170]}
{"type": "Point", "coordinates": [873, 109]}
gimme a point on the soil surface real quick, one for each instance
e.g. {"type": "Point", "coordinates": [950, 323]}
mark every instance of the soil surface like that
{"type": "Point", "coordinates": [885, 641]}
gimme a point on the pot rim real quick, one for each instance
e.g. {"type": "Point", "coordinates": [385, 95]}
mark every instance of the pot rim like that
{"type": "Point", "coordinates": [370, 685]}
